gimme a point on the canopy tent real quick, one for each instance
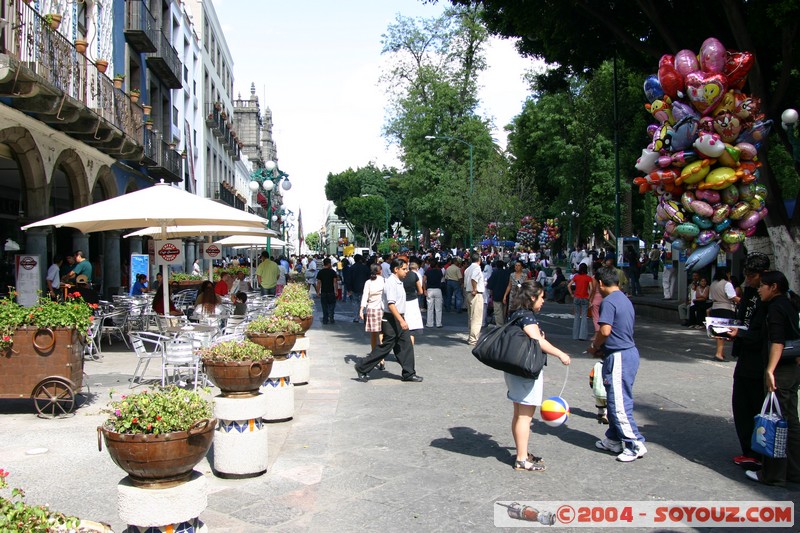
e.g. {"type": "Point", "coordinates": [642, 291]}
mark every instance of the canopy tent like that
{"type": "Point", "coordinates": [174, 232]}
{"type": "Point", "coordinates": [160, 205]}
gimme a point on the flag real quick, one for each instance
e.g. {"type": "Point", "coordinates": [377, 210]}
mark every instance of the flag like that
{"type": "Point", "coordinates": [300, 234]}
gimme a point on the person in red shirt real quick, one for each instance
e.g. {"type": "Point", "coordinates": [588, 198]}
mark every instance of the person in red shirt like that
{"type": "Point", "coordinates": [580, 286]}
{"type": "Point", "coordinates": [223, 285]}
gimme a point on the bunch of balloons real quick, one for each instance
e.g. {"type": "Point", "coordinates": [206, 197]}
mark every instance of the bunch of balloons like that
{"type": "Point", "coordinates": [702, 159]}
{"type": "Point", "coordinates": [490, 232]}
{"type": "Point", "coordinates": [527, 233]}
{"type": "Point", "coordinates": [549, 232]}
{"type": "Point", "coordinates": [435, 235]}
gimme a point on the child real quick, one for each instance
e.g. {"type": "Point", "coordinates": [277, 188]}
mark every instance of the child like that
{"type": "Point", "coordinates": [599, 392]}
{"type": "Point", "coordinates": [239, 301]}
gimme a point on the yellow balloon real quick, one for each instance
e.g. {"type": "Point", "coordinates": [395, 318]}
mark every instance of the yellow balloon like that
{"type": "Point", "coordinates": [349, 250]}
{"type": "Point", "coordinates": [694, 172]}
{"type": "Point", "coordinates": [719, 178]}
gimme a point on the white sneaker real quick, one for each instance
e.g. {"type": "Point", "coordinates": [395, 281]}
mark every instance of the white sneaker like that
{"type": "Point", "coordinates": [609, 445]}
{"type": "Point", "coordinates": [631, 454]}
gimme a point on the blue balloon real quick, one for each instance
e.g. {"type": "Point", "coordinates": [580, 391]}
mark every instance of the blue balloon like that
{"type": "Point", "coordinates": [722, 226]}
{"type": "Point", "coordinates": [652, 88]}
{"type": "Point", "coordinates": [702, 257]}
{"type": "Point", "coordinates": [702, 222]}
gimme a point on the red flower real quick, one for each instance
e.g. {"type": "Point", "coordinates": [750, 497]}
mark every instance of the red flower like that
{"type": "Point", "coordinates": [76, 294]}
{"type": "Point", "coordinates": [158, 417]}
{"type": "Point", "coordinates": [149, 427]}
{"type": "Point", "coordinates": [135, 421]}
{"type": "Point", "coordinates": [6, 338]}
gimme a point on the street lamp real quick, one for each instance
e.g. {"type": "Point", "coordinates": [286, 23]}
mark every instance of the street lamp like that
{"type": "Point", "coordinates": [789, 121]}
{"type": "Point", "coordinates": [572, 214]}
{"type": "Point", "coordinates": [471, 173]}
{"type": "Point", "coordinates": [267, 178]}
{"type": "Point", "coordinates": [386, 205]}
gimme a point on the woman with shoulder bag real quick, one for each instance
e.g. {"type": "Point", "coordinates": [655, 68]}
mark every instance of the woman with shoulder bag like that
{"type": "Point", "coordinates": [782, 375]}
{"type": "Point", "coordinates": [524, 392]}
{"type": "Point", "coordinates": [723, 297]}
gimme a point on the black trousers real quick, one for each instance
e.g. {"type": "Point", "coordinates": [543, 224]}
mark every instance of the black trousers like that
{"type": "Point", "coordinates": [746, 400]}
{"type": "Point", "coordinates": [787, 379]}
{"type": "Point", "coordinates": [393, 335]}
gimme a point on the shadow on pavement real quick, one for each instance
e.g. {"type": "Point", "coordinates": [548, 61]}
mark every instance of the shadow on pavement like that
{"type": "Point", "coordinates": [467, 441]}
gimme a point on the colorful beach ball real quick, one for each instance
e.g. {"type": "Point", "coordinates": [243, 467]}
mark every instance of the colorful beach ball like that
{"type": "Point", "coordinates": [554, 411]}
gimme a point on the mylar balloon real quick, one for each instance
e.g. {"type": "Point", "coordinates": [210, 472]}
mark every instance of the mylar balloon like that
{"type": "Point", "coordinates": [705, 90]}
{"type": "Point", "coordinates": [712, 55]}
{"type": "Point", "coordinates": [652, 88]}
{"type": "Point", "coordinates": [686, 62]}
{"type": "Point", "coordinates": [737, 65]}
{"type": "Point", "coordinates": [702, 257]}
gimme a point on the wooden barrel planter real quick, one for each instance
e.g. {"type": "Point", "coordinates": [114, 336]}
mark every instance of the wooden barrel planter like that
{"type": "Point", "coordinates": [238, 378]}
{"type": "Point", "coordinates": [277, 343]}
{"type": "Point", "coordinates": [45, 364]}
{"type": "Point", "coordinates": [159, 461]}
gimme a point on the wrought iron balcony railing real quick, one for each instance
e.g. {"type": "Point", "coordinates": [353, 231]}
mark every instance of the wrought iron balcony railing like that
{"type": "Point", "coordinates": [140, 27]}
{"type": "Point", "coordinates": [165, 63]}
{"type": "Point", "coordinates": [47, 78]}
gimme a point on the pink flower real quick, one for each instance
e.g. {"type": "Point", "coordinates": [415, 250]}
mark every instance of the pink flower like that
{"type": "Point", "coordinates": [118, 413]}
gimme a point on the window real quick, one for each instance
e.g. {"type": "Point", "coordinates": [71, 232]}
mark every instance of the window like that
{"type": "Point", "coordinates": [175, 116]}
{"type": "Point", "coordinates": [342, 233]}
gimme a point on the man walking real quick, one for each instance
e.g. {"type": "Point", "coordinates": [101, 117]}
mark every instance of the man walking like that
{"type": "Point", "coordinates": [614, 343]}
{"type": "Point", "coordinates": [359, 274]}
{"type": "Point", "coordinates": [267, 275]}
{"type": "Point", "coordinates": [53, 277]}
{"type": "Point", "coordinates": [327, 279]}
{"type": "Point", "coordinates": [394, 328]}
{"type": "Point", "coordinates": [474, 286]}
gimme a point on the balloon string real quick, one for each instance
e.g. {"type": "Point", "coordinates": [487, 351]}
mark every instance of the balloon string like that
{"type": "Point", "coordinates": [566, 376]}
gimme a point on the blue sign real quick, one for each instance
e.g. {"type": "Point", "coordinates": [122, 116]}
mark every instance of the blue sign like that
{"type": "Point", "coordinates": [140, 264]}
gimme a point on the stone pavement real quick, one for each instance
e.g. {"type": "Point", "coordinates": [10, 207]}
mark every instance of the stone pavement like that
{"type": "Point", "coordinates": [391, 456]}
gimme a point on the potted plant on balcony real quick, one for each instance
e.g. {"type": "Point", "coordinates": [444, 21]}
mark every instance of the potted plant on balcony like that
{"type": "Point", "coordinates": [53, 20]}
{"type": "Point", "coordinates": [237, 367]}
{"type": "Point", "coordinates": [135, 95]}
{"type": "Point", "coordinates": [102, 65]}
{"type": "Point", "coordinates": [147, 109]}
{"type": "Point", "coordinates": [172, 144]}
{"type": "Point", "coordinates": [81, 45]}
{"type": "Point", "coordinates": [118, 80]}
{"type": "Point", "coordinates": [276, 333]}
{"type": "Point", "coordinates": [158, 437]}
{"type": "Point", "coordinates": [148, 123]}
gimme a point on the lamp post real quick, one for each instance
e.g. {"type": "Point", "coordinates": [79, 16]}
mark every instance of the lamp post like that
{"type": "Point", "coordinates": [572, 214]}
{"type": "Point", "coordinates": [386, 205]}
{"type": "Point", "coordinates": [471, 173]}
{"type": "Point", "coordinates": [789, 121]}
{"type": "Point", "coordinates": [267, 178]}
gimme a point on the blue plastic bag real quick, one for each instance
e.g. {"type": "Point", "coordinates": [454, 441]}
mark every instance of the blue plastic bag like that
{"type": "Point", "coordinates": [771, 430]}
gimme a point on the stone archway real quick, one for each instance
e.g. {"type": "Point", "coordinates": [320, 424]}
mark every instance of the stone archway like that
{"type": "Point", "coordinates": [70, 162]}
{"type": "Point", "coordinates": [32, 176]}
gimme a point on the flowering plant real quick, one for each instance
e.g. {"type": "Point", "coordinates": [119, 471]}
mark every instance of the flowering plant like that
{"type": "Point", "coordinates": [294, 302]}
{"type": "Point", "coordinates": [183, 276]}
{"type": "Point", "coordinates": [18, 516]}
{"type": "Point", "coordinates": [235, 351]}
{"type": "Point", "coordinates": [163, 410]}
{"type": "Point", "coordinates": [73, 313]}
{"type": "Point", "coordinates": [273, 324]}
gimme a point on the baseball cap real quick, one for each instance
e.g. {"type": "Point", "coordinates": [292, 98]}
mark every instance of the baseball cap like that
{"type": "Point", "coordinates": [82, 279]}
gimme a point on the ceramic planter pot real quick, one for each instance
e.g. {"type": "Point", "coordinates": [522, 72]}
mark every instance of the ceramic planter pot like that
{"type": "Point", "coordinates": [102, 65]}
{"type": "Point", "coordinates": [159, 461]}
{"type": "Point", "coordinates": [278, 343]}
{"type": "Point", "coordinates": [238, 378]}
{"type": "Point", "coordinates": [304, 323]}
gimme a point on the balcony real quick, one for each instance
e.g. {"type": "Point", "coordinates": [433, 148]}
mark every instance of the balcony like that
{"type": "Point", "coordinates": [42, 75]}
{"type": "Point", "coordinates": [227, 194]}
{"type": "Point", "coordinates": [220, 126]}
{"type": "Point", "coordinates": [140, 27]}
{"type": "Point", "coordinates": [165, 64]}
{"type": "Point", "coordinates": [162, 162]}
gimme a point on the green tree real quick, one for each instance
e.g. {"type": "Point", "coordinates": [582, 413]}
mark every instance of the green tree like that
{"type": "Point", "coordinates": [312, 241]}
{"type": "Point", "coordinates": [432, 86]}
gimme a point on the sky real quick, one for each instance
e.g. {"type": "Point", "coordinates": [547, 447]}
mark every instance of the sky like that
{"type": "Point", "coordinates": [316, 65]}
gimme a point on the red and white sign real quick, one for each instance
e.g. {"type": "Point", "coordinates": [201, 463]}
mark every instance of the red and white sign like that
{"type": "Point", "coordinates": [169, 252]}
{"type": "Point", "coordinates": [210, 251]}
{"type": "Point", "coordinates": [29, 279]}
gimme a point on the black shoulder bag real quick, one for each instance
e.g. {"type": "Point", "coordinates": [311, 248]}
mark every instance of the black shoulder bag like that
{"type": "Point", "coordinates": [508, 348]}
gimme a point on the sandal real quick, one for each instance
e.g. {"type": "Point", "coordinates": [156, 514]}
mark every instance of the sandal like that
{"type": "Point", "coordinates": [529, 466]}
{"type": "Point", "coordinates": [533, 459]}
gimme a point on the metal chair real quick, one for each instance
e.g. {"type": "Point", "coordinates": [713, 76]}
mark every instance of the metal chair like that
{"type": "Point", "coordinates": [147, 346]}
{"type": "Point", "coordinates": [92, 349]}
{"type": "Point", "coordinates": [115, 323]}
{"type": "Point", "coordinates": [180, 355]}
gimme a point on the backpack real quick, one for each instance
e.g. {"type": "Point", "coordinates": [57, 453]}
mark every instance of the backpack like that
{"type": "Point", "coordinates": [508, 348]}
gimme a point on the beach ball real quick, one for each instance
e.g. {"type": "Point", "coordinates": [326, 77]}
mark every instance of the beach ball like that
{"type": "Point", "coordinates": [554, 411]}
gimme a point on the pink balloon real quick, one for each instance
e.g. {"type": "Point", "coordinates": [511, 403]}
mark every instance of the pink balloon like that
{"type": "Point", "coordinates": [686, 62]}
{"type": "Point", "coordinates": [712, 56]}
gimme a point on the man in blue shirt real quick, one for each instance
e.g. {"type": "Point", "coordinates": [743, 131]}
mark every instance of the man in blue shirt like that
{"type": "Point", "coordinates": [614, 343]}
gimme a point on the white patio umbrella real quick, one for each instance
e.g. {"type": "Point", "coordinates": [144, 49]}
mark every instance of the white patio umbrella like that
{"type": "Point", "coordinates": [203, 230]}
{"type": "Point", "coordinates": [249, 241]}
{"type": "Point", "coordinates": [160, 205]}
